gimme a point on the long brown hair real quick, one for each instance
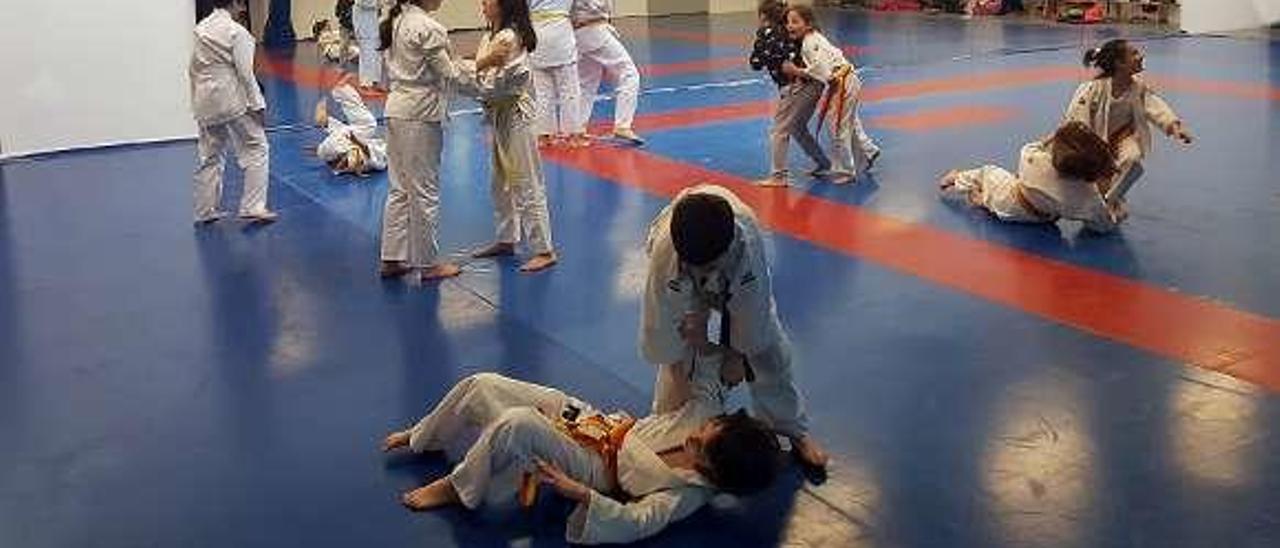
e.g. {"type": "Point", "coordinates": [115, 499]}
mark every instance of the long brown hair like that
{"type": "Point", "coordinates": [388, 25]}
{"type": "Point", "coordinates": [1079, 153]}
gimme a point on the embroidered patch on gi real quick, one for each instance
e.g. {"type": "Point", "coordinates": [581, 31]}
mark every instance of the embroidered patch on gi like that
{"type": "Point", "coordinates": [747, 278]}
{"type": "Point", "coordinates": [673, 285]}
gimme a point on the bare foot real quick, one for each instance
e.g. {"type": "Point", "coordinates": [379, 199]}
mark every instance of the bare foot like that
{"type": "Point", "coordinates": [540, 262]}
{"type": "Point", "coordinates": [433, 495]}
{"type": "Point", "coordinates": [496, 249]}
{"type": "Point", "coordinates": [579, 140]}
{"type": "Point", "coordinates": [772, 182]}
{"type": "Point", "coordinates": [440, 272]}
{"type": "Point", "coordinates": [393, 269]}
{"type": "Point", "coordinates": [545, 141]}
{"type": "Point", "coordinates": [809, 451]}
{"type": "Point", "coordinates": [395, 440]}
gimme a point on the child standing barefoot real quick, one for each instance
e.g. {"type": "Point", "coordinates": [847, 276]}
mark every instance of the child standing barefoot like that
{"type": "Point", "coordinates": [798, 97]}
{"type": "Point", "coordinates": [1120, 108]}
{"type": "Point", "coordinates": [827, 64]}
{"type": "Point", "coordinates": [555, 74]}
{"type": "Point", "coordinates": [420, 70]}
{"type": "Point", "coordinates": [501, 82]}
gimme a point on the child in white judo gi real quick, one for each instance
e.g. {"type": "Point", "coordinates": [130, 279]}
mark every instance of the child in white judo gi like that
{"type": "Point", "coordinates": [1120, 107]}
{"type": "Point", "coordinates": [1057, 179]}
{"type": "Point", "coordinates": [852, 150]}
{"type": "Point", "coordinates": [421, 71]}
{"type": "Point", "coordinates": [230, 111]}
{"type": "Point", "coordinates": [351, 145]}
{"type": "Point", "coordinates": [706, 256]}
{"type": "Point", "coordinates": [501, 80]}
{"type": "Point", "coordinates": [365, 16]}
{"type": "Point", "coordinates": [601, 55]}
{"type": "Point", "coordinates": [630, 478]}
{"type": "Point", "coordinates": [555, 75]}
{"type": "Point", "coordinates": [333, 43]}
{"type": "Point", "coordinates": [797, 96]}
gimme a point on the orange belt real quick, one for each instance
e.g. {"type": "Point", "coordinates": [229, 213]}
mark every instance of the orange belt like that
{"type": "Point", "coordinates": [836, 89]}
{"type": "Point", "coordinates": [601, 434]}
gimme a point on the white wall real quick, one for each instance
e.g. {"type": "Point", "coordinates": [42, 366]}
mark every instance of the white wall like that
{"type": "Point", "coordinates": [80, 74]}
{"type": "Point", "coordinates": [1225, 15]}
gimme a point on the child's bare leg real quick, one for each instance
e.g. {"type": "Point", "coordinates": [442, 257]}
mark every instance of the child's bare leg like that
{"type": "Point", "coordinates": [433, 495]}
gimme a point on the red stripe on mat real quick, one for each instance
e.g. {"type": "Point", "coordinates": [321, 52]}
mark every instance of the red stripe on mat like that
{"type": "Point", "coordinates": [1185, 328]}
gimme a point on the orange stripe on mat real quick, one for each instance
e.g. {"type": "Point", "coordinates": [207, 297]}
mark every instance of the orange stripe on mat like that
{"type": "Point", "coordinates": [1185, 328]}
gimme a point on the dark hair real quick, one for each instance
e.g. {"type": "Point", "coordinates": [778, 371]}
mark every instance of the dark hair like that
{"type": "Point", "coordinates": [701, 228]}
{"type": "Point", "coordinates": [388, 25]}
{"type": "Point", "coordinates": [1079, 153]}
{"type": "Point", "coordinates": [319, 27]}
{"type": "Point", "coordinates": [224, 4]}
{"type": "Point", "coordinates": [775, 11]}
{"type": "Point", "coordinates": [515, 16]}
{"type": "Point", "coordinates": [744, 457]}
{"type": "Point", "coordinates": [805, 13]}
{"type": "Point", "coordinates": [1105, 57]}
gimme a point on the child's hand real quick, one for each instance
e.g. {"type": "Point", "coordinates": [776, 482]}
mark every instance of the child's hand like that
{"type": "Point", "coordinates": [693, 329]}
{"type": "Point", "coordinates": [790, 69]}
{"type": "Point", "coordinates": [734, 368]}
{"type": "Point", "coordinates": [1180, 133]}
{"type": "Point", "coordinates": [568, 487]}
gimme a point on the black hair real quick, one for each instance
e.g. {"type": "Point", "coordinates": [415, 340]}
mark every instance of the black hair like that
{"type": "Point", "coordinates": [515, 16]}
{"type": "Point", "coordinates": [223, 4]}
{"type": "Point", "coordinates": [388, 25]}
{"type": "Point", "coordinates": [744, 456]}
{"type": "Point", "coordinates": [1081, 154]}
{"type": "Point", "coordinates": [775, 11]}
{"type": "Point", "coordinates": [702, 228]}
{"type": "Point", "coordinates": [805, 13]}
{"type": "Point", "coordinates": [1105, 57]}
{"type": "Point", "coordinates": [319, 27]}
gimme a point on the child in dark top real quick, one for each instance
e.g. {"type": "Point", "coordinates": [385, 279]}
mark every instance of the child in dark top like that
{"type": "Point", "coordinates": [798, 96]}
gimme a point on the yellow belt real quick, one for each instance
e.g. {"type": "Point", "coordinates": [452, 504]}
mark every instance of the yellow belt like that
{"type": "Point", "coordinates": [545, 16]}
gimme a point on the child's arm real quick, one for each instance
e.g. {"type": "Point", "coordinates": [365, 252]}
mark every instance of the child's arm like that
{"type": "Point", "coordinates": [1163, 116]}
{"type": "Point", "coordinates": [759, 50]}
{"type": "Point", "coordinates": [603, 520]}
{"type": "Point", "coordinates": [242, 52]}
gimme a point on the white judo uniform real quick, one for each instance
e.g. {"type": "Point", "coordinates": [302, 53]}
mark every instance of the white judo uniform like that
{"type": "Point", "coordinates": [358, 130]}
{"type": "Point", "coordinates": [601, 55]}
{"type": "Point", "coordinates": [224, 96]}
{"type": "Point", "coordinates": [555, 69]}
{"type": "Point", "coordinates": [517, 186]}
{"type": "Point", "coordinates": [515, 424]}
{"type": "Point", "coordinates": [421, 71]}
{"type": "Point", "coordinates": [1124, 122]}
{"type": "Point", "coordinates": [740, 287]}
{"type": "Point", "coordinates": [1037, 194]}
{"type": "Point", "coordinates": [365, 18]}
{"type": "Point", "coordinates": [851, 147]}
